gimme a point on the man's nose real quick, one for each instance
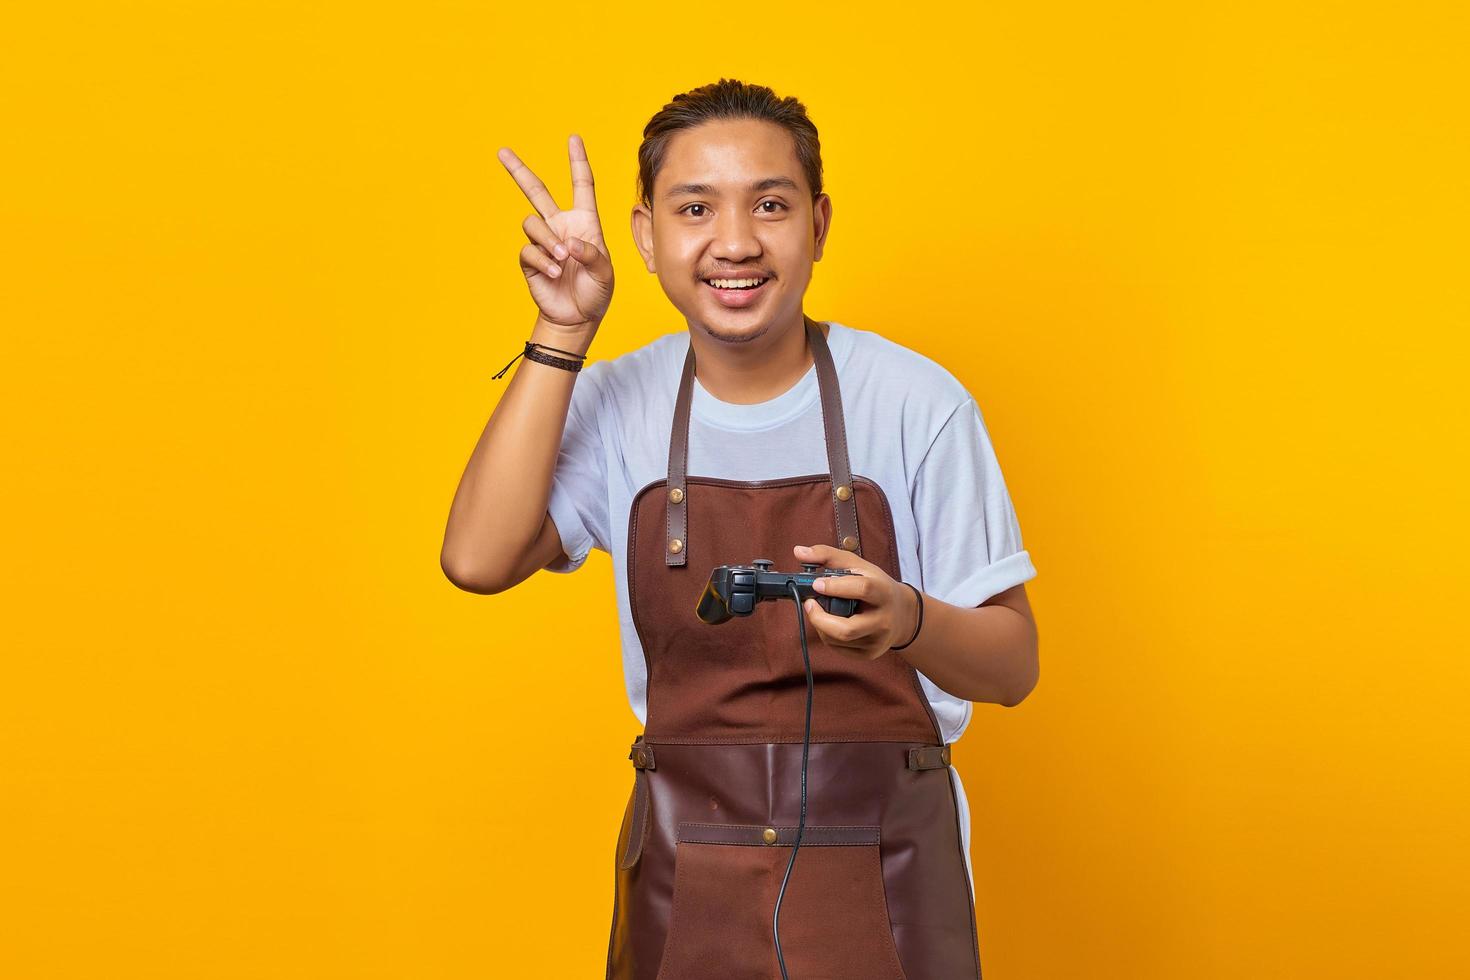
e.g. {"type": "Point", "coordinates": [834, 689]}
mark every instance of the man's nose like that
{"type": "Point", "coordinates": [735, 238]}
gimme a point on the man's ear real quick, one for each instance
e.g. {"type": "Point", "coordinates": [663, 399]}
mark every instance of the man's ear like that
{"type": "Point", "coordinates": [642, 222]}
{"type": "Point", "coordinates": [821, 223]}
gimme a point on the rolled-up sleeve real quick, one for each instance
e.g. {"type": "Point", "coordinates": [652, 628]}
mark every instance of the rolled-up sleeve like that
{"type": "Point", "coordinates": [969, 537]}
{"type": "Point", "coordinates": [579, 490]}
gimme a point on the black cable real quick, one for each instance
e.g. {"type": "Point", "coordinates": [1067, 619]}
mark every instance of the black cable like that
{"type": "Point", "coordinates": [806, 741]}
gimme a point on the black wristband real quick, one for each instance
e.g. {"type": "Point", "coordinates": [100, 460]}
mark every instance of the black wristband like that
{"type": "Point", "coordinates": [532, 354]}
{"type": "Point", "coordinates": [535, 355]}
{"type": "Point", "coordinates": [920, 596]}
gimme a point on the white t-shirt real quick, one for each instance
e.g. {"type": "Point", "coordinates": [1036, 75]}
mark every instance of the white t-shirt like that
{"type": "Point", "coordinates": [912, 428]}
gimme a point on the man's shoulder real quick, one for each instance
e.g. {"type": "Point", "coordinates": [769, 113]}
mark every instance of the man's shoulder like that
{"type": "Point", "coordinates": [631, 370]}
{"type": "Point", "coordinates": [895, 371]}
{"type": "Point", "coordinates": [622, 383]}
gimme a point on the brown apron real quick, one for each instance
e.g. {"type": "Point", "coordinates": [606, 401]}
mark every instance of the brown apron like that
{"type": "Point", "coordinates": [879, 887]}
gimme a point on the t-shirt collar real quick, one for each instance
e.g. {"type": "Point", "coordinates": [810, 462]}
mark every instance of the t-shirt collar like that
{"type": "Point", "coordinates": [790, 404]}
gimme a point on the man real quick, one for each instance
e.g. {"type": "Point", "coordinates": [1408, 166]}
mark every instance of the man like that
{"type": "Point", "coordinates": [735, 442]}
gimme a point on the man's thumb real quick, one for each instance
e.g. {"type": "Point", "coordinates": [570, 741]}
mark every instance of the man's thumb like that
{"type": "Point", "coordinates": [590, 256]}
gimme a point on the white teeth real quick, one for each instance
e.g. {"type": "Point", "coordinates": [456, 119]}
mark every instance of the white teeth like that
{"type": "Point", "coordinates": [734, 283]}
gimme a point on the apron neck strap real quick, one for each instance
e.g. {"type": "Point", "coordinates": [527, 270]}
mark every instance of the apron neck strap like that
{"type": "Point", "coordinates": [844, 500]}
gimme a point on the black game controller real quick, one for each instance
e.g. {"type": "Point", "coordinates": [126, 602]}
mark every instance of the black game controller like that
{"type": "Point", "coordinates": [733, 590]}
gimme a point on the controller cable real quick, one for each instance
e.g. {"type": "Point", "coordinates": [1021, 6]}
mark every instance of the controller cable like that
{"type": "Point", "coordinates": [806, 741]}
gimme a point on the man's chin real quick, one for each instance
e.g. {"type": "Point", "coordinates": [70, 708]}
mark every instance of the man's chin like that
{"type": "Point", "coordinates": [737, 333]}
{"type": "Point", "coordinates": [734, 326]}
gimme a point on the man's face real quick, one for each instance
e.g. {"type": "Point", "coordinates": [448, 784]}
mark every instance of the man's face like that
{"type": "Point", "coordinates": [732, 202]}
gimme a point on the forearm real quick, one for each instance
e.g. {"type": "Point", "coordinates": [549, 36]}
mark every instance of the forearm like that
{"type": "Point", "coordinates": [501, 501]}
{"type": "Point", "coordinates": [985, 653]}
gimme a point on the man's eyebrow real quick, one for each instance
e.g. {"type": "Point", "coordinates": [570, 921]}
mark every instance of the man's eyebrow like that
{"type": "Point", "coordinates": [760, 185]}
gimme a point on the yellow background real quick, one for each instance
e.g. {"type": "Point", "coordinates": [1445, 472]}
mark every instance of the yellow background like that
{"type": "Point", "coordinates": [1205, 271]}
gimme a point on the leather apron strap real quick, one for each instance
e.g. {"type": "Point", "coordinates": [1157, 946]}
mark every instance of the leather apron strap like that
{"type": "Point", "coordinates": [844, 504]}
{"type": "Point", "coordinates": [642, 756]}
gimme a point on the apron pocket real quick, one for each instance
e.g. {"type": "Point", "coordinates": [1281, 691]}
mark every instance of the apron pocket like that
{"type": "Point", "coordinates": [834, 918]}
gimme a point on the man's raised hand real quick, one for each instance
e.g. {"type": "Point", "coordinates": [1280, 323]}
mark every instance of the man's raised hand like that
{"type": "Point", "coordinates": [566, 262]}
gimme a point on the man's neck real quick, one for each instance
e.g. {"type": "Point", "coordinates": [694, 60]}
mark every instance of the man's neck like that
{"type": "Point", "coordinates": [753, 371]}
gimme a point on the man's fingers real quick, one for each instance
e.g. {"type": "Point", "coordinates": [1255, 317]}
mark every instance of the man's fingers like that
{"type": "Point", "coordinates": [584, 196]}
{"type": "Point", "coordinates": [538, 231]}
{"type": "Point", "coordinates": [529, 183]}
{"type": "Point", "coordinates": [842, 631]}
{"type": "Point", "coordinates": [534, 259]}
{"type": "Point", "coordinates": [598, 265]}
{"type": "Point", "coordinates": [854, 586]}
{"type": "Point", "coordinates": [826, 554]}
{"type": "Point", "coordinates": [824, 622]}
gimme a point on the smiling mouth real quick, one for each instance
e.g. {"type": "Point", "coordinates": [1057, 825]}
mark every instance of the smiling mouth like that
{"type": "Point", "coordinates": [737, 285]}
{"type": "Point", "coordinates": [737, 294]}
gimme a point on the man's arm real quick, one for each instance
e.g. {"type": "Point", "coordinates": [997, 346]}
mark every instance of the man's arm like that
{"type": "Point", "coordinates": [498, 522]}
{"type": "Point", "coordinates": [546, 547]}
{"type": "Point", "coordinates": [985, 653]}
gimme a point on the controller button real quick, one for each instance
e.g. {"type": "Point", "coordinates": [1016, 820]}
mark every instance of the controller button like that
{"type": "Point", "coordinates": [769, 835]}
{"type": "Point", "coordinates": [676, 546]}
{"type": "Point", "coordinates": [844, 493]}
{"type": "Point", "coordinates": [676, 495]}
{"type": "Point", "coordinates": [743, 578]}
{"type": "Point", "coordinates": [849, 543]}
{"type": "Point", "coordinates": [742, 604]}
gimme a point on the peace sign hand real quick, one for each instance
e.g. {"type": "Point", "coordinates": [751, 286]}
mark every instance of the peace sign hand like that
{"type": "Point", "coordinates": [566, 262]}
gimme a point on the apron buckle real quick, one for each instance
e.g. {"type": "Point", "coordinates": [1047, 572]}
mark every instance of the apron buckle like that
{"type": "Point", "coordinates": [929, 757]}
{"type": "Point", "coordinates": [641, 754]}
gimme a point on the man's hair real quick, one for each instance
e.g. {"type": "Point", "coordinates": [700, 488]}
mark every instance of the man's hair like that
{"type": "Point", "coordinates": [727, 99]}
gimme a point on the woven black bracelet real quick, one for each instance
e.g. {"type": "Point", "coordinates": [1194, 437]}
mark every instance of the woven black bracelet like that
{"type": "Point", "coordinates": [532, 354]}
{"type": "Point", "coordinates": [920, 596]}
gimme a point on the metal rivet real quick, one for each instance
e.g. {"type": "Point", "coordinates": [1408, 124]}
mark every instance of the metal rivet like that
{"type": "Point", "coordinates": [849, 543]}
{"type": "Point", "coordinates": [676, 495]}
{"type": "Point", "coordinates": [844, 493]}
{"type": "Point", "coordinates": [676, 546]}
{"type": "Point", "coordinates": [768, 835]}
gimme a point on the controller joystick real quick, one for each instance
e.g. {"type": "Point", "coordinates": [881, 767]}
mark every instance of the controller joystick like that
{"type": "Point", "coordinates": [734, 590]}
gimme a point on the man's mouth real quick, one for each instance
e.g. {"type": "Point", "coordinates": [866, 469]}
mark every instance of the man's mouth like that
{"type": "Point", "coordinates": [743, 283]}
{"type": "Point", "coordinates": [738, 292]}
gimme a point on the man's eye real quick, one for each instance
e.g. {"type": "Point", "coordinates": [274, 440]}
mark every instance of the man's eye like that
{"type": "Point", "coordinates": [689, 208]}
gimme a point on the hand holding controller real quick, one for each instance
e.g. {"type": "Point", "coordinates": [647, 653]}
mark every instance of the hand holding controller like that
{"type": "Point", "coordinates": [734, 590]}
